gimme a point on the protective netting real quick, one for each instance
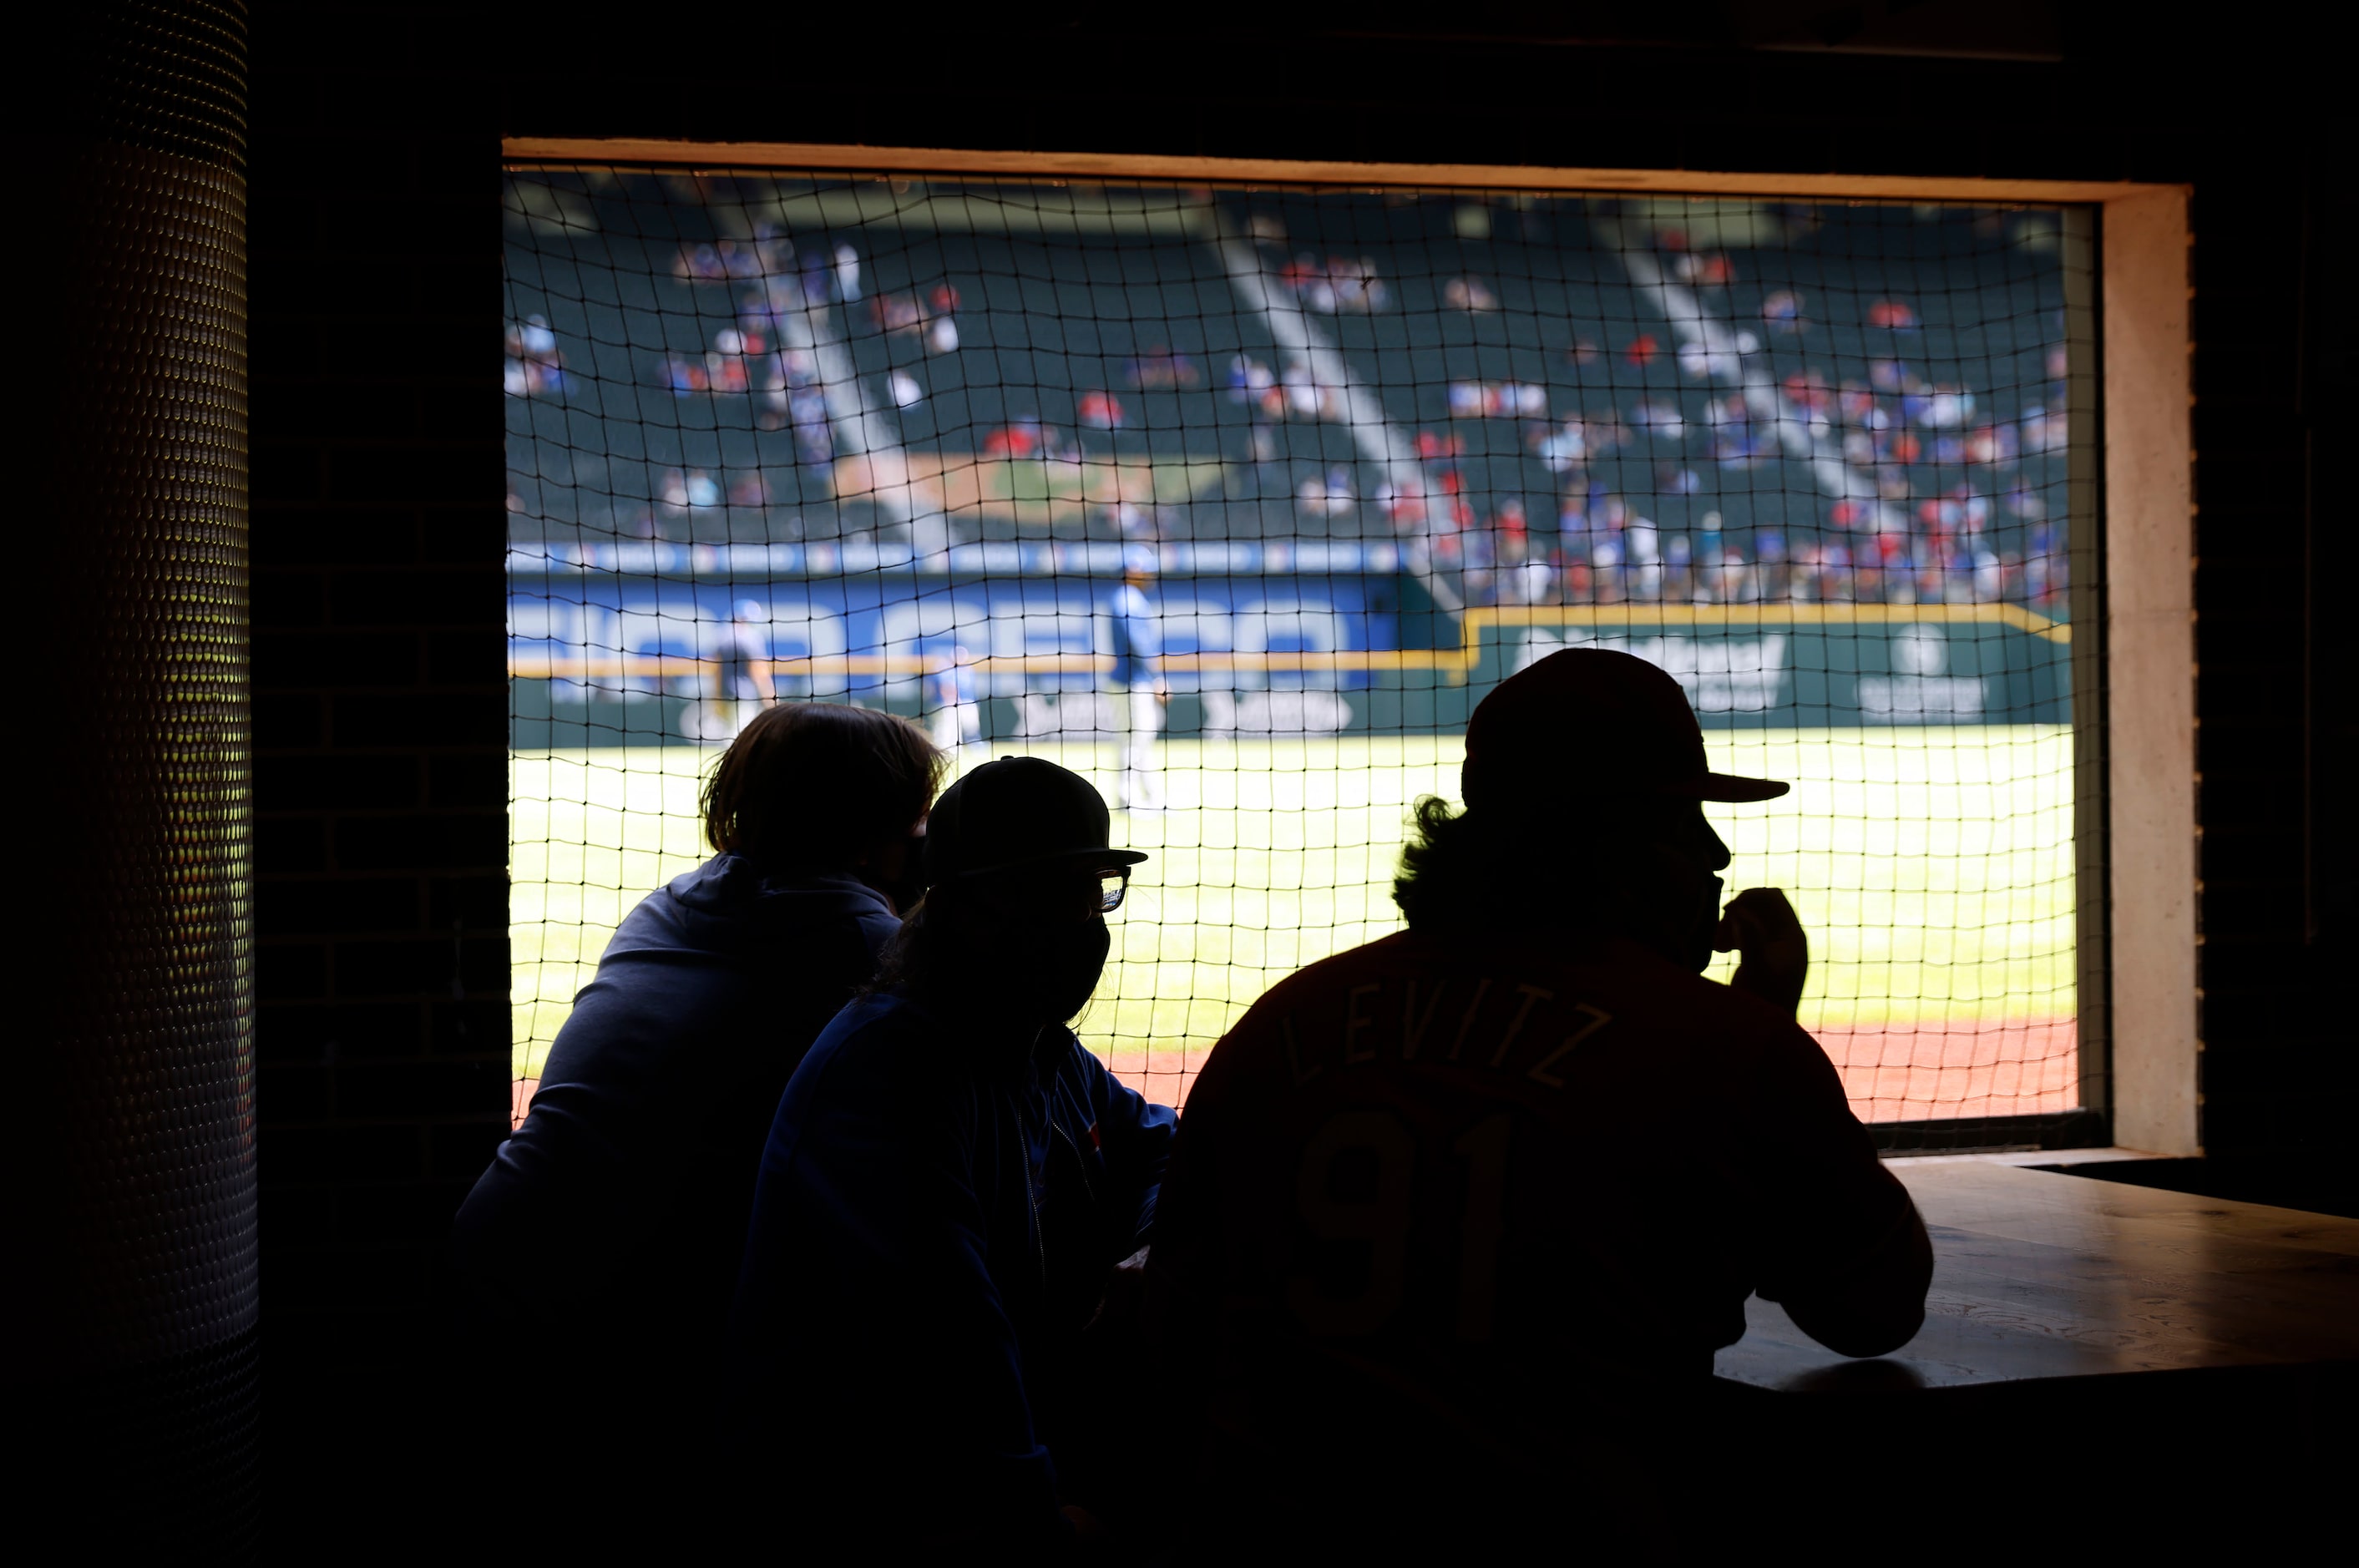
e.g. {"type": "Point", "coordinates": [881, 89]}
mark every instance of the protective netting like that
{"type": "Point", "coordinates": [1236, 499]}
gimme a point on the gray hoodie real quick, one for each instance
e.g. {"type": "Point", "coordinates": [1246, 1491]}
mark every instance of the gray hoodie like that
{"type": "Point", "coordinates": [613, 1218]}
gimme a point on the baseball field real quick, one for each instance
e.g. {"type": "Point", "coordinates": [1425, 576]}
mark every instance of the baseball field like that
{"type": "Point", "coordinates": [1933, 869]}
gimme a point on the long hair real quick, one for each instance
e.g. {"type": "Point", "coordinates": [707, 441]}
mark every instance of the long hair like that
{"type": "Point", "coordinates": [1453, 872]}
{"type": "Point", "coordinates": [1462, 870]}
{"type": "Point", "coordinates": [1465, 870]}
{"type": "Point", "coordinates": [808, 786]}
{"type": "Point", "coordinates": [916, 959]}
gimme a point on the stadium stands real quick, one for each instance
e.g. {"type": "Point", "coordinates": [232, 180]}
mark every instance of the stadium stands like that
{"type": "Point", "coordinates": [1804, 404]}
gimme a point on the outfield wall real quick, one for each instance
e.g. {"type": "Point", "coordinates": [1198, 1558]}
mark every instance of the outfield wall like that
{"type": "Point", "coordinates": [607, 660]}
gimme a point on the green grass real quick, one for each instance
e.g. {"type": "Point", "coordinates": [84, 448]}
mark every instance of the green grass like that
{"type": "Point", "coordinates": [1933, 867]}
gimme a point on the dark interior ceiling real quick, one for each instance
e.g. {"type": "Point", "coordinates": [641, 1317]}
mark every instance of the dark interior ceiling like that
{"type": "Point", "coordinates": [1988, 29]}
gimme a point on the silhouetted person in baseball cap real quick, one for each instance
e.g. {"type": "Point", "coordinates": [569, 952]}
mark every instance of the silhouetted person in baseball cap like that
{"type": "Point", "coordinates": [950, 1181]}
{"type": "Point", "coordinates": [1459, 1218]}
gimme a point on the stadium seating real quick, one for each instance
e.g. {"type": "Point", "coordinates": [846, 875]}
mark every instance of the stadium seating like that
{"type": "Point", "coordinates": [1119, 350]}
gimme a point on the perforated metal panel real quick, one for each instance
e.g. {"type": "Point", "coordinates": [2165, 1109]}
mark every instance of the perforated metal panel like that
{"type": "Point", "coordinates": [141, 1259]}
{"type": "Point", "coordinates": [160, 1050]}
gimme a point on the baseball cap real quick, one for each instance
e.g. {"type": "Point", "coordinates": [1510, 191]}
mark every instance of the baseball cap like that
{"type": "Point", "coordinates": [1018, 812]}
{"type": "Point", "coordinates": [1589, 720]}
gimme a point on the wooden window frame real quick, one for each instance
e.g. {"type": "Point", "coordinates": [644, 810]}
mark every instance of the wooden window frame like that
{"type": "Point", "coordinates": [2140, 988]}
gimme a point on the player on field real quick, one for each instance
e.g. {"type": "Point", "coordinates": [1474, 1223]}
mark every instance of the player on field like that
{"type": "Point", "coordinates": [740, 684]}
{"type": "Point", "coordinates": [1140, 694]}
{"type": "Point", "coordinates": [949, 1183]}
{"type": "Point", "coordinates": [1456, 1214]}
{"type": "Point", "coordinates": [953, 714]}
{"type": "Point", "coordinates": [597, 1255]}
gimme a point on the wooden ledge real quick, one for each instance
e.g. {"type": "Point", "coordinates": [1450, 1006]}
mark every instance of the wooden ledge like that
{"type": "Point", "coordinates": [2041, 1276]}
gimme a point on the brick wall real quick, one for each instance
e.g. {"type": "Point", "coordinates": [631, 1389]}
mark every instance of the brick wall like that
{"type": "Point", "coordinates": [377, 521]}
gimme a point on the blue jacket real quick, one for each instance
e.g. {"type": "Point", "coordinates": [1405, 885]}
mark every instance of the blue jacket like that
{"type": "Point", "coordinates": [614, 1217]}
{"type": "Point", "coordinates": [933, 1228]}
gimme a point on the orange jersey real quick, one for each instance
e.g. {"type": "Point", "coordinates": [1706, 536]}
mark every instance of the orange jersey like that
{"type": "Point", "coordinates": [1462, 1172]}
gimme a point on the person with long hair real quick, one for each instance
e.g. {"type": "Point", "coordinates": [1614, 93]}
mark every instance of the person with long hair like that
{"type": "Point", "coordinates": [598, 1253]}
{"type": "Point", "coordinates": [1459, 1218]}
{"type": "Point", "coordinates": [951, 1182]}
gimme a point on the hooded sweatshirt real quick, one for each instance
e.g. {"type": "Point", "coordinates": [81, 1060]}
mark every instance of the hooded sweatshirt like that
{"type": "Point", "coordinates": [612, 1220]}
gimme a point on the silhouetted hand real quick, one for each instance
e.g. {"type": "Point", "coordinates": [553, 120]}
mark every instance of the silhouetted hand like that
{"type": "Point", "coordinates": [1125, 1288]}
{"type": "Point", "coordinates": [1773, 955]}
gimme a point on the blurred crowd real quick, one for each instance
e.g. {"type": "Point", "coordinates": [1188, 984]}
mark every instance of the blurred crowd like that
{"type": "Point", "coordinates": [1614, 553]}
{"type": "Point", "coordinates": [535, 365]}
{"type": "Point", "coordinates": [1944, 493]}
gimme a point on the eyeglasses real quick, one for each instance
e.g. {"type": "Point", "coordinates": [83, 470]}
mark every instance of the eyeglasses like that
{"type": "Point", "coordinates": [1113, 885]}
{"type": "Point", "coordinates": [1078, 895]}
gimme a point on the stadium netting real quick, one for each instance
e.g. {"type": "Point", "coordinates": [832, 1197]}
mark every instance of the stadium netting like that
{"type": "Point", "coordinates": [1237, 499]}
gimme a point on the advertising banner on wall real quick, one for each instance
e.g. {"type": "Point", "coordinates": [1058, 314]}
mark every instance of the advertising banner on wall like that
{"type": "Point", "coordinates": [616, 660]}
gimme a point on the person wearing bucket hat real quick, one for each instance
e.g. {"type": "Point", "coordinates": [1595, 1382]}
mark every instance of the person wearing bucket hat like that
{"type": "Point", "coordinates": [1471, 1208]}
{"type": "Point", "coordinates": [950, 1184]}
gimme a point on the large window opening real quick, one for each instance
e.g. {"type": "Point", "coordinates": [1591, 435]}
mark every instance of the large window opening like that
{"type": "Point", "coordinates": [946, 444]}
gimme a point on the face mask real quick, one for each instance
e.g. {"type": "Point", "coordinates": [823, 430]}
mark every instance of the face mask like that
{"type": "Point", "coordinates": [1070, 963]}
{"type": "Point", "coordinates": [1040, 974]}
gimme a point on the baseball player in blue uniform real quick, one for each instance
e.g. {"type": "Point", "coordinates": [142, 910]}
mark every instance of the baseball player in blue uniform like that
{"type": "Point", "coordinates": [1140, 694]}
{"type": "Point", "coordinates": [954, 711]}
